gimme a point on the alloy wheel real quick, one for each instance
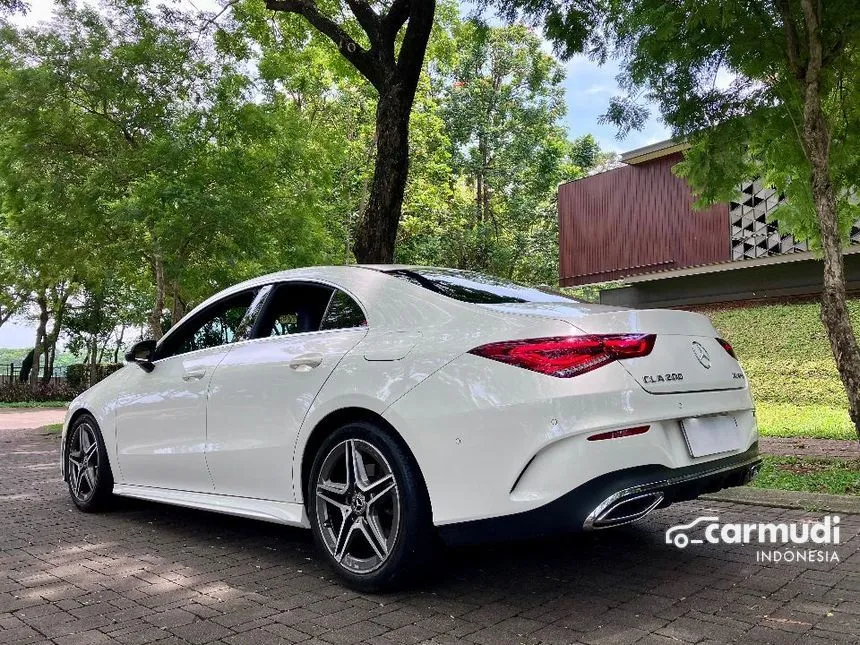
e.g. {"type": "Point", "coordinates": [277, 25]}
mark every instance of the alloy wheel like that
{"type": "Point", "coordinates": [83, 462]}
{"type": "Point", "coordinates": [357, 506]}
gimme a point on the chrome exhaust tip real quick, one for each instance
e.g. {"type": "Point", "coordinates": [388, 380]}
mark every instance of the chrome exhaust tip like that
{"type": "Point", "coordinates": [618, 509]}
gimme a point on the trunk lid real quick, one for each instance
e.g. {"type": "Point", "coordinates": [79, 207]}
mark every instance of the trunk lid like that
{"type": "Point", "coordinates": [686, 357]}
{"type": "Point", "coordinates": [682, 363]}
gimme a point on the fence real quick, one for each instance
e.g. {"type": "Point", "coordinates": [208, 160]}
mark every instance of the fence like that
{"type": "Point", "coordinates": [11, 373]}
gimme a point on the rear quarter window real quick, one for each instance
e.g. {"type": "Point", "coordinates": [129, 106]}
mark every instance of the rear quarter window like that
{"type": "Point", "coordinates": [343, 313]}
{"type": "Point", "coordinates": [476, 288]}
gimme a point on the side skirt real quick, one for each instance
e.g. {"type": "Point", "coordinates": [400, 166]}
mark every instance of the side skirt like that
{"type": "Point", "coordinates": [289, 513]}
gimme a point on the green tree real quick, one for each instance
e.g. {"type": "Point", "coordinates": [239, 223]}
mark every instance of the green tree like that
{"type": "Point", "coordinates": [99, 318]}
{"type": "Point", "coordinates": [760, 88]}
{"type": "Point", "coordinates": [13, 6]}
{"type": "Point", "coordinates": [12, 294]}
{"type": "Point", "coordinates": [387, 48]}
{"type": "Point", "coordinates": [790, 114]}
{"type": "Point", "coordinates": [501, 103]}
{"type": "Point", "coordinates": [149, 149]}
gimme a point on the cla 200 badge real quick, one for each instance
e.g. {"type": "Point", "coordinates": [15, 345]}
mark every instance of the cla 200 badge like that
{"type": "Point", "coordinates": [663, 378]}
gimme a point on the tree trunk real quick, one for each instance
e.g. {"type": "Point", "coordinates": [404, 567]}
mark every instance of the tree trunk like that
{"type": "Point", "coordinates": [395, 76]}
{"type": "Point", "coordinates": [816, 140]}
{"type": "Point", "coordinates": [42, 301]}
{"type": "Point", "coordinates": [60, 302]}
{"type": "Point", "coordinates": [118, 346]}
{"type": "Point", "coordinates": [154, 318]}
{"type": "Point", "coordinates": [484, 206]}
{"type": "Point", "coordinates": [177, 310]}
{"type": "Point", "coordinates": [377, 230]}
{"type": "Point", "coordinates": [48, 359]}
{"type": "Point", "coordinates": [479, 193]}
{"type": "Point", "coordinates": [94, 361]}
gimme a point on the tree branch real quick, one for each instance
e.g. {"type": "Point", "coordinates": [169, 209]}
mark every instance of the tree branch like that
{"type": "Point", "coordinates": [414, 45]}
{"type": "Point", "coordinates": [792, 41]}
{"type": "Point", "coordinates": [366, 16]}
{"type": "Point", "coordinates": [396, 17]}
{"type": "Point", "coordinates": [813, 68]}
{"type": "Point", "coordinates": [213, 19]}
{"type": "Point", "coordinates": [360, 58]}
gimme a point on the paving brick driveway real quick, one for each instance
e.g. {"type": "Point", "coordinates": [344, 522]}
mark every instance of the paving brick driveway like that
{"type": "Point", "coordinates": [145, 573]}
{"type": "Point", "coordinates": [13, 418]}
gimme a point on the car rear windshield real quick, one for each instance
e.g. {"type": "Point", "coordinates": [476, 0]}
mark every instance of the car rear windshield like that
{"type": "Point", "coordinates": [476, 288]}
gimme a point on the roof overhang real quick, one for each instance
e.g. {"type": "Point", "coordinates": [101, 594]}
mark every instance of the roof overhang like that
{"type": "Point", "coordinates": [654, 151]}
{"type": "Point", "coordinates": [784, 276]}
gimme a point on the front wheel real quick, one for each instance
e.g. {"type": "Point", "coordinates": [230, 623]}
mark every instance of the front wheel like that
{"type": "Point", "coordinates": [89, 474]}
{"type": "Point", "coordinates": [368, 508]}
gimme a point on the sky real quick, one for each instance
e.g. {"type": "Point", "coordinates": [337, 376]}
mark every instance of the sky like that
{"type": "Point", "coordinates": [588, 88]}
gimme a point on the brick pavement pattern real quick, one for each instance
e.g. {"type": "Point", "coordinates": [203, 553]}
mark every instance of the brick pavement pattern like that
{"type": "Point", "coordinates": [146, 573]}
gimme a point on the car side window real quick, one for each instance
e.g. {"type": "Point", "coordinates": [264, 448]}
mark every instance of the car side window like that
{"type": "Point", "coordinates": [223, 323]}
{"type": "Point", "coordinates": [343, 313]}
{"type": "Point", "coordinates": [294, 308]}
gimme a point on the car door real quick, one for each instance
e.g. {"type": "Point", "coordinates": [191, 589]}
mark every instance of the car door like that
{"type": "Point", "coordinates": [262, 390]}
{"type": "Point", "coordinates": [161, 416]}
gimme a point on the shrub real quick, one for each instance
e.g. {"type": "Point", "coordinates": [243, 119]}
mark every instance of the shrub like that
{"type": "Point", "coordinates": [78, 374]}
{"type": "Point", "coordinates": [16, 391]}
{"type": "Point", "coordinates": [64, 389]}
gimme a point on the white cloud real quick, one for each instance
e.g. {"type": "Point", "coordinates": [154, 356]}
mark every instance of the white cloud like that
{"type": "Point", "coordinates": [597, 89]}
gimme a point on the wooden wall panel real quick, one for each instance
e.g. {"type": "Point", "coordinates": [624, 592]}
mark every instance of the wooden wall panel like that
{"type": "Point", "coordinates": [634, 220]}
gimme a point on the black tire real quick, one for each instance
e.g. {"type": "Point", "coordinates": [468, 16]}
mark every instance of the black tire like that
{"type": "Point", "coordinates": [88, 470]}
{"type": "Point", "coordinates": [409, 553]}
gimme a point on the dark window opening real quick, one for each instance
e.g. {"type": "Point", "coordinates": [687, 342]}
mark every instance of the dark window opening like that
{"type": "Point", "coordinates": [343, 313]}
{"type": "Point", "coordinates": [224, 323]}
{"type": "Point", "coordinates": [294, 309]}
{"type": "Point", "coordinates": [476, 288]}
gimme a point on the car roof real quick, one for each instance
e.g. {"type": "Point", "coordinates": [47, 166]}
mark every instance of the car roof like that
{"type": "Point", "coordinates": [335, 274]}
{"type": "Point", "coordinates": [332, 271]}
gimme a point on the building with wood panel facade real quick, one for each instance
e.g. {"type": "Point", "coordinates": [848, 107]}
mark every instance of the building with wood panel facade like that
{"type": "Point", "coordinates": [636, 223]}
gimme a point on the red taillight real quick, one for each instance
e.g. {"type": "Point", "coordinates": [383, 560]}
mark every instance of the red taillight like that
{"type": "Point", "coordinates": [728, 347]}
{"type": "Point", "coordinates": [567, 356]}
{"type": "Point", "coordinates": [617, 434]}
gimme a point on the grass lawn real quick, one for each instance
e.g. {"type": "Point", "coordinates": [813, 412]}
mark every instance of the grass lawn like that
{"type": "Point", "coordinates": [54, 428]}
{"type": "Point", "coordinates": [811, 421]}
{"type": "Point", "coordinates": [785, 353]}
{"type": "Point", "coordinates": [35, 404]}
{"type": "Point", "coordinates": [834, 476]}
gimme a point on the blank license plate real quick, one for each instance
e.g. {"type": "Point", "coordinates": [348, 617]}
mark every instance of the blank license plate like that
{"type": "Point", "coordinates": [711, 435]}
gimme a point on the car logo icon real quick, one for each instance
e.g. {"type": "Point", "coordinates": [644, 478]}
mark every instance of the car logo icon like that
{"type": "Point", "coordinates": [677, 535]}
{"type": "Point", "coordinates": [701, 354]}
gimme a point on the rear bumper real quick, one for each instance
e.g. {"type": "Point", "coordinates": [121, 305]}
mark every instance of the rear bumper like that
{"type": "Point", "coordinates": [495, 440]}
{"type": "Point", "coordinates": [612, 499]}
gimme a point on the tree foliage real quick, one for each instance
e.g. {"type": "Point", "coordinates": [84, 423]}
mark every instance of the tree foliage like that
{"type": "Point", "coordinates": [723, 78]}
{"type": "Point", "coordinates": [148, 150]}
{"type": "Point", "coordinates": [501, 104]}
{"type": "Point", "coordinates": [174, 153]}
{"type": "Point", "coordinates": [759, 88]}
{"type": "Point", "coordinates": [386, 43]}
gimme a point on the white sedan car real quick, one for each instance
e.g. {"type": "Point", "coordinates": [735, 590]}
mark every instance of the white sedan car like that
{"type": "Point", "coordinates": [381, 406]}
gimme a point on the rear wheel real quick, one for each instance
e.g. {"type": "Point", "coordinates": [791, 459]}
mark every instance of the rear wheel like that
{"type": "Point", "coordinates": [89, 474]}
{"type": "Point", "coordinates": [368, 508]}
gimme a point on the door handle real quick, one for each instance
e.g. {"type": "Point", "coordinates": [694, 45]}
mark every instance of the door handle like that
{"type": "Point", "coordinates": [306, 362]}
{"type": "Point", "coordinates": [194, 375]}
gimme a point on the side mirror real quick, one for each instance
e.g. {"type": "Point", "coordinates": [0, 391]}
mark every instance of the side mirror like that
{"type": "Point", "coordinates": [141, 353]}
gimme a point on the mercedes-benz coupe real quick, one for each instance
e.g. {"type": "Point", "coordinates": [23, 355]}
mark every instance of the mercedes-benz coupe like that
{"type": "Point", "coordinates": [385, 406]}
